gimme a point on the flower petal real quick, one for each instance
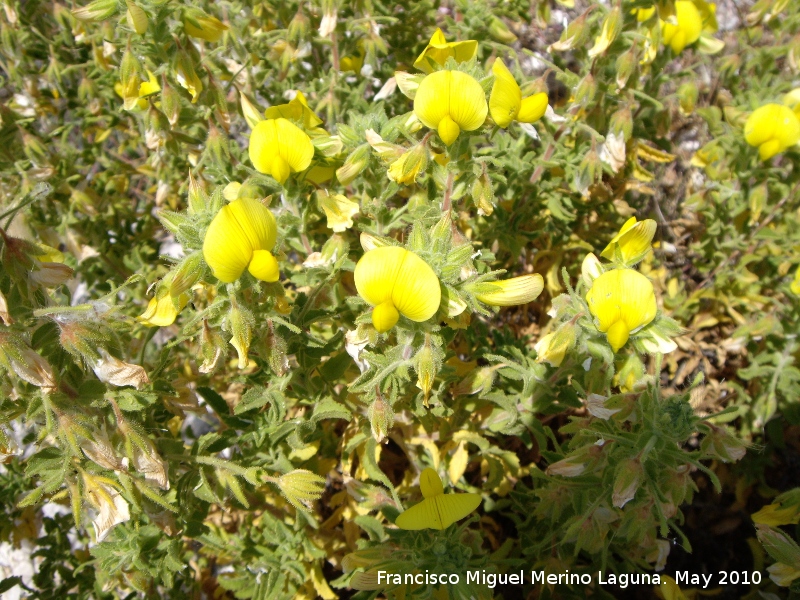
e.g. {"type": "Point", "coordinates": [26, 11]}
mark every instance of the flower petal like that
{"type": "Point", "coordinates": [417, 292]}
{"type": "Point", "coordinates": [467, 101]}
{"type": "Point", "coordinates": [263, 146]}
{"type": "Point", "coordinates": [533, 108]}
{"type": "Point", "coordinates": [430, 484]}
{"type": "Point", "coordinates": [514, 291]}
{"type": "Point", "coordinates": [376, 273]}
{"type": "Point", "coordinates": [294, 145]}
{"type": "Point", "coordinates": [256, 222]}
{"type": "Point", "coordinates": [506, 97]}
{"type": "Point", "coordinates": [264, 266]}
{"type": "Point", "coordinates": [432, 101]}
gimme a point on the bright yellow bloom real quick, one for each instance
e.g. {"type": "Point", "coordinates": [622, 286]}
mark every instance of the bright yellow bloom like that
{"type": "Point", "coordinates": [622, 301]}
{"type": "Point", "coordinates": [198, 24]}
{"type": "Point", "coordinates": [643, 14]}
{"type": "Point", "coordinates": [632, 242]}
{"type": "Point", "coordinates": [514, 291]}
{"type": "Point", "coordinates": [241, 237]}
{"type": "Point", "coordinates": [688, 28]}
{"type": "Point", "coordinates": [278, 148]}
{"type": "Point", "coordinates": [437, 509]}
{"type": "Point", "coordinates": [772, 128]}
{"type": "Point", "coordinates": [506, 103]}
{"type": "Point", "coordinates": [439, 50]}
{"type": "Point", "coordinates": [450, 101]}
{"type": "Point", "coordinates": [396, 281]}
{"type": "Point", "coordinates": [161, 312]}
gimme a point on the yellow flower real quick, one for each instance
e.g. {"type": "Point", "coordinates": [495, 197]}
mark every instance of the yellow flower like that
{"type": "Point", "coordinates": [162, 311]}
{"type": "Point", "coordinates": [352, 63]}
{"type": "Point", "coordinates": [772, 128]}
{"type": "Point", "coordinates": [396, 281]}
{"type": "Point", "coordinates": [439, 50]}
{"type": "Point", "coordinates": [198, 24]}
{"type": "Point", "coordinates": [240, 237]}
{"type": "Point", "coordinates": [514, 291]}
{"type": "Point", "coordinates": [297, 110]}
{"type": "Point", "coordinates": [622, 301]}
{"type": "Point", "coordinates": [135, 97]}
{"type": "Point", "coordinates": [277, 147]}
{"type": "Point", "coordinates": [338, 209]}
{"type": "Point", "coordinates": [506, 103]}
{"type": "Point", "coordinates": [437, 509]}
{"type": "Point", "coordinates": [688, 28]}
{"type": "Point", "coordinates": [643, 14]}
{"type": "Point", "coordinates": [632, 242]}
{"type": "Point", "coordinates": [450, 101]}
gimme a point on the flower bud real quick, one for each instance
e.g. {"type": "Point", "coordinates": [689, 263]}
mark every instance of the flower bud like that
{"type": "Point", "coordinates": [50, 274]}
{"type": "Point", "coordinates": [687, 97]}
{"type": "Point", "coordinates": [298, 28]}
{"type": "Point", "coordinates": [574, 35]}
{"type": "Point", "coordinates": [427, 363]}
{"type": "Point", "coordinates": [612, 25]}
{"type": "Point", "coordinates": [18, 357]}
{"type": "Point", "coordinates": [300, 487]}
{"type": "Point", "coordinates": [511, 292]}
{"type": "Point", "coordinates": [407, 168]}
{"type": "Point", "coordinates": [170, 102]}
{"type": "Point", "coordinates": [240, 324]}
{"type": "Point", "coordinates": [201, 25]}
{"type": "Point", "coordinates": [212, 348]}
{"type": "Point", "coordinates": [591, 269]}
{"type": "Point", "coordinates": [778, 545]}
{"type": "Point", "coordinates": [586, 90]}
{"type": "Point", "coordinates": [251, 113]}
{"type": "Point", "coordinates": [111, 370]}
{"type": "Point", "coordinates": [354, 164]}
{"type": "Point", "coordinates": [627, 479]}
{"type": "Point", "coordinates": [483, 194]}
{"type": "Point", "coordinates": [621, 123]}
{"type": "Point", "coordinates": [98, 10]}
{"type": "Point", "coordinates": [626, 63]}
{"type": "Point", "coordinates": [196, 195]}
{"type": "Point", "coordinates": [500, 31]}
{"type": "Point", "coordinates": [137, 18]}
{"type": "Point", "coordinates": [722, 445]}
{"type": "Point", "coordinates": [554, 346]}
{"type": "Point", "coordinates": [381, 418]}
{"type": "Point", "coordinates": [186, 75]}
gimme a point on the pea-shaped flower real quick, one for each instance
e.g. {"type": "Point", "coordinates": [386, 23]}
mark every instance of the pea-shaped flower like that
{"type": "Point", "coordinates": [241, 237]}
{"type": "Point", "coordinates": [450, 101]}
{"type": "Point", "coordinates": [772, 128]}
{"type": "Point", "coordinates": [632, 243]}
{"type": "Point", "coordinates": [622, 301]}
{"type": "Point", "coordinates": [506, 103]}
{"type": "Point", "coordinates": [279, 147]}
{"type": "Point", "coordinates": [396, 281]}
{"type": "Point", "coordinates": [688, 28]}
{"type": "Point", "coordinates": [439, 50]}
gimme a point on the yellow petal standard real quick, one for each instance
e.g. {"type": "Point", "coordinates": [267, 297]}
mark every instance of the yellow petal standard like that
{"type": "Point", "coordinates": [506, 103]}
{"type": "Point", "coordinates": [450, 101]}
{"type": "Point", "coordinates": [439, 50]}
{"type": "Point", "coordinates": [514, 291]}
{"type": "Point", "coordinates": [632, 242]}
{"type": "Point", "coordinates": [297, 110]}
{"type": "Point", "coordinates": [396, 281]}
{"type": "Point", "coordinates": [688, 28]}
{"type": "Point", "coordinates": [772, 128]}
{"type": "Point", "coordinates": [437, 509]}
{"type": "Point", "coordinates": [622, 301]}
{"type": "Point", "coordinates": [278, 148]}
{"type": "Point", "coordinates": [241, 237]}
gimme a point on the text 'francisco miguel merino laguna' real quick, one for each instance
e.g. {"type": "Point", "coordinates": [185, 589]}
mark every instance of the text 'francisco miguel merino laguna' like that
{"type": "Point", "coordinates": [491, 580]}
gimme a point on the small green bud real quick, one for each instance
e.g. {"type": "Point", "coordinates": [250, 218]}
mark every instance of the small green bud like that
{"type": "Point", "coordinates": [586, 90]}
{"type": "Point", "coordinates": [298, 28]}
{"type": "Point", "coordinates": [252, 114]}
{"type": "Point", "coordinates": [778, 544]}
{"type": "Point", "coordinates": [198, 198]}
{"type": "Point", "coordinates": [212, 348]}
{"type": "Point", "coordinates": [300, 487]}
{"type": "Point", "coordinates": [98, 10]}
{"type": "Point", "coordinates": [240, 324]}
{"type": "Point", "coordinates": [574, 35]}
{"type": "Point", "coordinates": [190, 270]}
{"type": "Point", "coordinates": [626, 63]}
{"type": "Point", "coordinates": [627, 479]}
{"type": "Point", "coordinates": [621, 123]}
{"type": "Point", "coordinates": [137, 18]}
{"type": "Point", "coordinates": [687, 96]}
{"type": "Point", "coordinates": [170, 102]}
{"type": "Point", "coordinates": [353, 165]}
{"type": "Point", "coordinates": [500, 31]}
{"type": "Point", "coordinates": [381, 418]}
{"type": "Point", "coordinates": [483, 194]}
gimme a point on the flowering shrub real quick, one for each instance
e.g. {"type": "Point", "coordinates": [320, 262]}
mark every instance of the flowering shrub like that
{"type": "Point", "coordinates": [295, 295]}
